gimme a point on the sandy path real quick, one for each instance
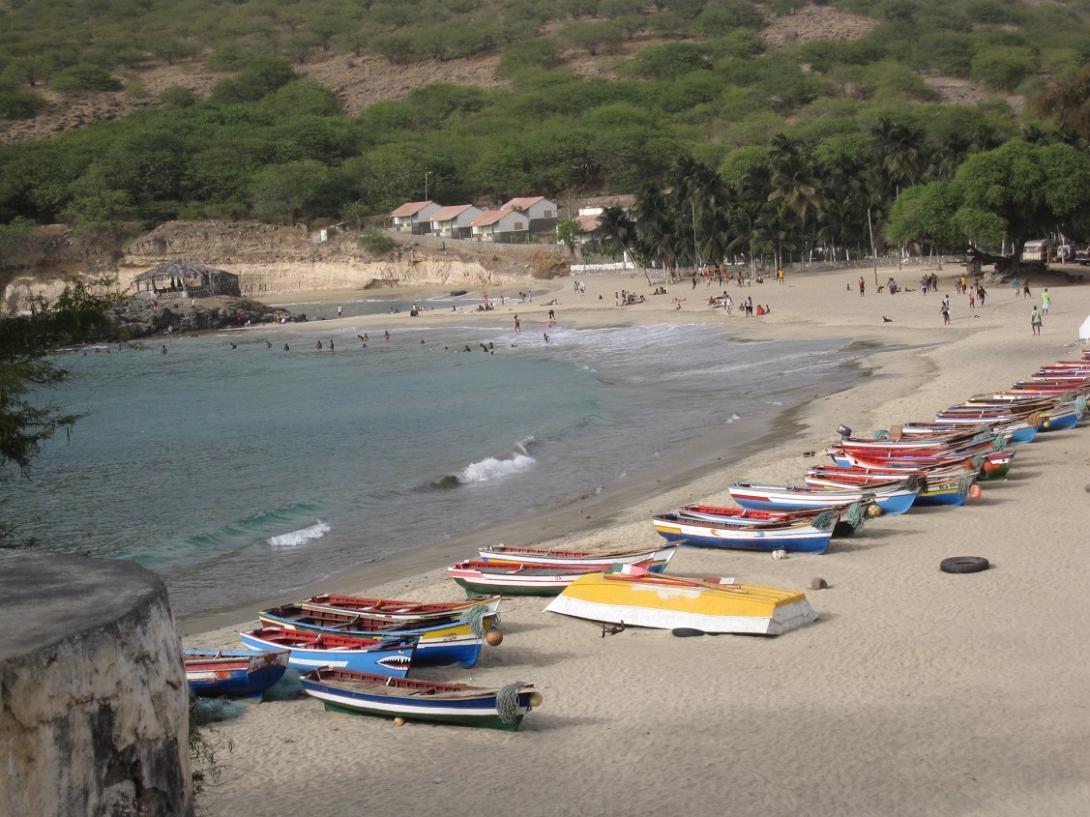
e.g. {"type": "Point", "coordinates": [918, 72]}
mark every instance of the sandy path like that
{"type": "Point", "coordinates": [917, 693]}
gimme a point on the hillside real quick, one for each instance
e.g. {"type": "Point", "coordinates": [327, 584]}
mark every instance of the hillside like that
{"type": "Point", "coordinates": [341, 110]}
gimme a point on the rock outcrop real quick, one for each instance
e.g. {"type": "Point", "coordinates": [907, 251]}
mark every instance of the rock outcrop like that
{"type": "Point", "coordinates": [93, 699]}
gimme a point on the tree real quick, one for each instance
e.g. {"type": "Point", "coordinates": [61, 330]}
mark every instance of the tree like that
{"type": "Point", "coordinates": [283, 192]}
{"type": "Point", "coordinates": [616, 228]}
{"type": "Point", "coordinates": [568, 232]}
{"type": "Point", "coordinates": [78, 78]}
{"type": "Point", "coordinates": [925, 213]}
{"type": "Point", "coordinates": [79, 314]}
{"type": "Point", "coordinates": [1069, 103]}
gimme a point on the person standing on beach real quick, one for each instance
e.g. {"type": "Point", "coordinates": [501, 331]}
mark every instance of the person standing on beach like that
{"type": "Point", "coordinates": [728, 304]}
{"type": "Point", "coordinates": [518, 330]}
{"type": "Point", "coordinates": [386, 333]}
{"type": "Point", "coordinates": [945, 309]}
{"type": "Point", "coordinates": [1046, 301]}
{"type": "Point", "coordinates": [338, 310]}
{"type": "Point", "coordinates": [1025, 289]}
{"type": "Point", "coordinates": [862, 286]}
{"type": "Point", "coordinates": [1035, 321]}
{"type": "Point", "coordinates": [779, 275]}
{"type": "Point", "coordinates": [972, 299]}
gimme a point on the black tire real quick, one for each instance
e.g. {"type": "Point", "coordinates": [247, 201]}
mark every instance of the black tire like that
{"type": "Point", "coordinates": [964, 564]}
{"type": "Point", "coordinates": [686, 632]}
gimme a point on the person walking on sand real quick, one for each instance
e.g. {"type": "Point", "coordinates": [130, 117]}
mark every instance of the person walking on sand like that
{"type": "Point", "coordinates": [338, 310]}
{"type": "Point", "coordinates": [1035, 321]}
{"type": "Point", "coordinates": [518, 330]}
{"type": "Point", "coordinates": [1025, 289]}
{"type": "Point", "coordinates": [1046, 301]}
{"type": "Point", "coordinates": [945, 309]}
{"type": "Point", "coordinates": [972, 299]}
{"type": "Point", "coordinates": [728, 304]}
{"type": "Point", "coordinates": [862, 286]}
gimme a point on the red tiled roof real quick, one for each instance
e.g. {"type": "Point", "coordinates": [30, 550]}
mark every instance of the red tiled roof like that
{"type": "Point", "coordinates": [410, 209]}
{"type": "Point", "coordinates": [449, 212]}
{"type": "Point", "coordinates": [489, 217]}
{"type": "Point", "coordinates": [588, 224]}
{"type": "Point", "coordinates": [524, 203]}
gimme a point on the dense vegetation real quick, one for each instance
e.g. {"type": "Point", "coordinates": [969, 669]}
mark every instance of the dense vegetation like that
{"type": "Point", "coordinates": [806, 139]}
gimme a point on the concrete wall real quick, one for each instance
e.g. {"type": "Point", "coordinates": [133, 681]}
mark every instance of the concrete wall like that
{"type": "Point", "coordinates": [93, 700]}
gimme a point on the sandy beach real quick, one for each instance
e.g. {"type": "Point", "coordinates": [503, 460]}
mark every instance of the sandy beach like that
{"type": "Point", "coordinates": [916, 692]}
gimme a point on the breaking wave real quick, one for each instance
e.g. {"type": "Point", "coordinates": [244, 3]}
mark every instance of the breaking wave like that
{"type": "Point", "coordinates": [490, 469]}
{"type": "Point", "coordinates": [299, 537]}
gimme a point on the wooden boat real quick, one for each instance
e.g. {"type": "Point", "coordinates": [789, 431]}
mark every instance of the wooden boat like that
{"type": "Point", "coordinates": [797, 537]}
{"type": "Point", "coordinates": [950, 490]}
{"type": "Point", "coordinates": [1018, 432]}
{"type": "Point", "coordinates": [987, 465]}
{"type": "Point", "coordinates": [361, 693]}
{"type": "Point", "coordinates": [667, 602]}
{"type": "Point", "coordinates": [310, 650]}
{"type": "Point", "coordinates": [845, 520]}
{"type": "Point", "coordinates": [445, 642]}
{"type": "Point", "coordinates": [400, 611]}
{"type": "Point", "coordinates": [516, 579]}
{"type": "Point", "coordinates": [234, 673]}
{"type": "Point", "coordinates": [658, 558]}
{"type": "Point", "coordinates": [893, 498]}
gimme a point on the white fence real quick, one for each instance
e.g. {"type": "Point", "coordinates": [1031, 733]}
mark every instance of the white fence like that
{"type": "Point", "coordinates": [616, 265]}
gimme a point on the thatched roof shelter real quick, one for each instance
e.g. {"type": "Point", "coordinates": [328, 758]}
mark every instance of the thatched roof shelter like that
{"type": "Point", "coordinates": [189, 278]}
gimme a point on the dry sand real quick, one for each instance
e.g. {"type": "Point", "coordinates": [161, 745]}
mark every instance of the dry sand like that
{"type": "Point", "coordinates": [916, 693]}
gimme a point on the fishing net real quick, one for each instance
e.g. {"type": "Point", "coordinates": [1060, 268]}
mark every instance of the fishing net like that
{"type": "Point", "coordinates": [824, 520]}
{"type": "Point", "coordinates": [507, 701]}
{"type": "Point", "coordinates": [978, 461]}
{"type": "Point", "coordinates": [999, 443]}
{"type": "Point", "coordinates": [203, 711]}
{"type": "Point", "coordinates": [857, 514]}
{"type": "Point", "coordinates": [1080, 404]}
{"type": "Point", "coordinates": [881, 434]}
{"type": "Point", "coordinates": [288, 688]}
{"type": "Point", "coordinates": [964, 484]}
{"type": "Point", "coordinates": [474, 617]}
{"type": "Point", "coordinates": [982, 436]}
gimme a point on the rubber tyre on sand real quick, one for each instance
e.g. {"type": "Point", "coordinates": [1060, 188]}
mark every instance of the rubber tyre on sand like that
{"type": "Point", "coordinates": [964, 564]}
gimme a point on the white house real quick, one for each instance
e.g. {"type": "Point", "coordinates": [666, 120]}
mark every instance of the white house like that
{"type": "Point", "coordinates": [455, 221]}
{"type": "Point", "coordinates": [414, 216]}
{"type": "Point", "coordinates": [501, 225]}
{"type": "Point", "coordinates": [541, 212]}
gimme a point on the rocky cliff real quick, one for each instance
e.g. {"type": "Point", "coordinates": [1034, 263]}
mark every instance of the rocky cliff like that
{"type": "Point", "coordinates": [93, 699]}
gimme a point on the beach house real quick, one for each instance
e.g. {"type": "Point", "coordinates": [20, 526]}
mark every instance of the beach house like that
{"type": "Point", "coordinates": [454, 221]}
{"type": "Point", "coordinates": [414, 216]}
{"type": "Point", "coordinates": [501, 225]}
{"type": "Point", "coordinates": [541, 214]}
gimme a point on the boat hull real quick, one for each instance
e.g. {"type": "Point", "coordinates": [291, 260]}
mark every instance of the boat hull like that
{"type": "Point", "coordinates": [480, 711]}
{"type": "Point", "coordinates": [742, 609]}
{"type": "Point", "coordinates": [656, 559]}
{"type": "Point", "coordinates": [893, 504]}
{"type": "Point", "coordinates": [806, 539]}
{"type": "Point", "coordinates": [248, 675]}
{"type": "Point", "coordinates": [392, 661]}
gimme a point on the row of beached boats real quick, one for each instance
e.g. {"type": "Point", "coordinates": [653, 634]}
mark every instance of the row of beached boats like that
{"type": "Point", "coordinates": [357, 652]}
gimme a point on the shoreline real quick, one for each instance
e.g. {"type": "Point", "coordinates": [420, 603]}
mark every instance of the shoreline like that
{"type": "Point", "coordinates": [565, 517]}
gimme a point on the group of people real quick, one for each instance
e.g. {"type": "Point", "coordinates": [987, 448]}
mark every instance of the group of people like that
{"type": "Point", "coordinates": [626, 298]}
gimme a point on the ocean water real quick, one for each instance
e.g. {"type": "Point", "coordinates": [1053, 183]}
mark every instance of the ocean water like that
{"type": "Point", "coordinates": [239, 472]}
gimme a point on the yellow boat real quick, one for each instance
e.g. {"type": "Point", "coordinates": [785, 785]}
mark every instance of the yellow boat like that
{"type": "Point", "coordinates": [669, 602]}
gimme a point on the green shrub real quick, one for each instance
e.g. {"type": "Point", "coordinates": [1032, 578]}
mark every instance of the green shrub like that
{"type": "Point", "coordinates": [84, 77]}
{"type": "Point", "coordinates": [177, 96]}
{"type": "Point", "coordinates": [258, 79]}
{"type": "Point", "coordinates": [1003, 67]}
{"type": "Point", "coordinates": [538, 53]}
{"type": "Point", "coordinates": [16, 104]}
{"type": "Point", "coordinates": [376, 241]}
{"type": "Point", "coordinates": [669, 61]}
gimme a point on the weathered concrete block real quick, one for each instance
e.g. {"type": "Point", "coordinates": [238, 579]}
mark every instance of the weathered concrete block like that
{"type": "Point", "coordinates": [93, 701]}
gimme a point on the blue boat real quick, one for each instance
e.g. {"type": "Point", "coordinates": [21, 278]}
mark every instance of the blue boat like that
{"type": "Point", "coordinates": [312, 650]}
{"type": "Point", "coordinates": [234, 673]}
{"type": "Point", "coordinates": [894, 498]}
{"type": "Point", "coordinates": [798, 536]}
{"type": "Point", "coordinates": [457, 641]}
{"type": "Point", "coordinates": [1060, 419]}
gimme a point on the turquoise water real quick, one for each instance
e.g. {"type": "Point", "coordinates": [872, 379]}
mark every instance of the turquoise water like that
{"type": "Point", "coordinates": [237, 472]}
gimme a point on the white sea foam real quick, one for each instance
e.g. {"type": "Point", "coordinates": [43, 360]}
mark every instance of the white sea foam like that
{"type": "Point", "coordinates": [299, 537]}
{"type": "Point", "coordinates": [493, 468]}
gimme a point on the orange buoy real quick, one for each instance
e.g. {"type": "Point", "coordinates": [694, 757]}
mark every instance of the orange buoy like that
{"type": "Point", "coordinates": [399, 721]}
{"type": "Point", "coordinates": [975, 492]}
{"type": "Point", "coordinates": [494, 638]}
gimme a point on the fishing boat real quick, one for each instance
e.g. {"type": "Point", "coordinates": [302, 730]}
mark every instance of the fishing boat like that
{"type": "Point", "coordinates": [457, 641]}
{"type": "Point", "coordinates": [893, 498]}
{"type": "Point", "coordinates": [657, 558]}
{"type": "Point", "coordinates": [668, 602]}
{"type": "Point", "coordinates": [361, 693]}
{"type": "Point", "coordinates": [400, 611]}
{"type": "Point", "coordinates": [801, 536]}
{"type": "Point", "coordinates": [987, 465]}
{"type": "Point", "coordinates": [1016, 432]}
{"type": "Point", "coordinates": [310, 650]}
{"type": "Point", "coordinates": [516, 579]}
{"type": "Point", "coordinates": [846, 520]}
{"type": "Point", "coordinates": [234, 673]}
{"type": "Point", "coordinates": [935, 490]}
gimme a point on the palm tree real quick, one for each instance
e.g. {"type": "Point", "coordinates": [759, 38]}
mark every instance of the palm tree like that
{"type": "Point", "coordinates": [900, 151]}
{"type": "Point", "coordinates": [616, 227]}
{"type": "Point", "coordinates": [698, 189]}
{"type": "Point", "coordinates": [795, 187]}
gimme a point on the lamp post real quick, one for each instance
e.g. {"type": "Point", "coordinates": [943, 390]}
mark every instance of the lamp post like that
{"type": "Point", "coordinates": [426, 174]}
